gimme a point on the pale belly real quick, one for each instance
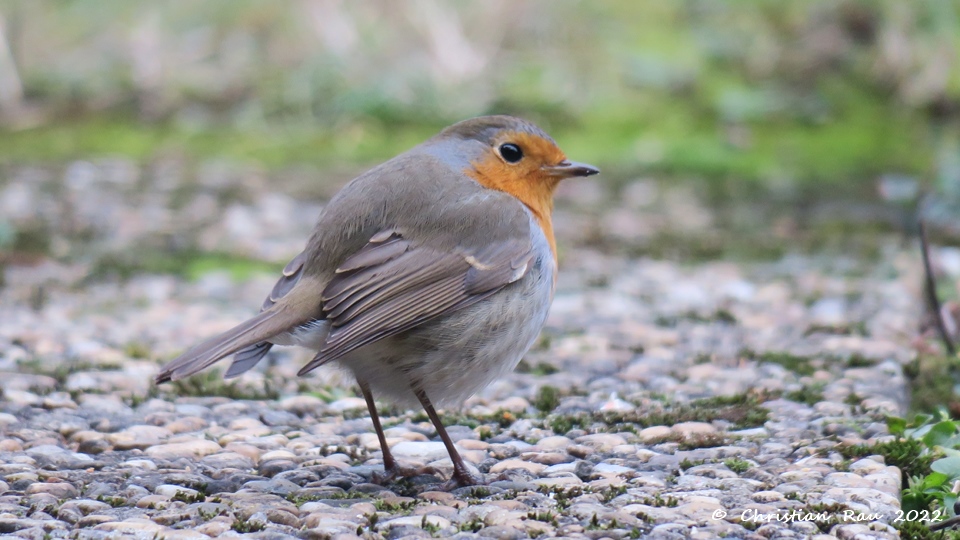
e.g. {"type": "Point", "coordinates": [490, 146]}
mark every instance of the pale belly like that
{"type": "Point", "coordinates": [456, 355]}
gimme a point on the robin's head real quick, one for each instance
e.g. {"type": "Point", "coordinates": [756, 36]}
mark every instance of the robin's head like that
{"type": "Point", "coordinates": [514, 152]}
{"type": "Point", "coordinates": [514, 156]}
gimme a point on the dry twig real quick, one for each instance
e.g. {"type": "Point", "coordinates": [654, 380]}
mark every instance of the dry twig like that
{"type": "Point", "coordinates": [931, 287]}
{"type": "Point", "coordinates": [947, 523]}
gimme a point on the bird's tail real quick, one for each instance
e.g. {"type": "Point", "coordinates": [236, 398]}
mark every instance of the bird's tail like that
{"type": "Point", "coordinates": [260, 328]}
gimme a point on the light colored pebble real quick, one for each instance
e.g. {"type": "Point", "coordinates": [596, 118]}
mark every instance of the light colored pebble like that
{"type": "Point", "coordinates": [194, 448]}
{"type": "Point", "coordinates": [421, 451]}
{"type": "Point", "coordinates": [688, 429]}
{"type": "Point", "coordinates": [655, 434]}
{"type": "Point", "coordinates": [508, 464]}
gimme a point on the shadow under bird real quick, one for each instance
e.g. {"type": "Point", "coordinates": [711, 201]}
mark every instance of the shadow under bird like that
{"type": "Point", "coordinates": [427, 277]}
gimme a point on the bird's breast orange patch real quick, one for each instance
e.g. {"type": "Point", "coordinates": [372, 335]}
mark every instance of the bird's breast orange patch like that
{"type": "Point", "coordinates": [526, 179]}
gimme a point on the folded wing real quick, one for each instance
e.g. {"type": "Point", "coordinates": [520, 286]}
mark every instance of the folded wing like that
{"type": "Point", "coordinates": [392, 285]}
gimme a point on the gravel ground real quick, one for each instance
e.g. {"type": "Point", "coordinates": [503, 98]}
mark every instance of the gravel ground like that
{"type": "Point", "coordinates": [664, 400]}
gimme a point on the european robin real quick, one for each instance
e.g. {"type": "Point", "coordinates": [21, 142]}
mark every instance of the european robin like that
{"type": "Point", "coordinates": [428, 276]}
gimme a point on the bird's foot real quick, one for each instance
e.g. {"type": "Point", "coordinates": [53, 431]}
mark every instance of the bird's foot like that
{"type": "Point", "coordinates": [463, 478]}
{"type": "Point", "coordinates": [398, 471]}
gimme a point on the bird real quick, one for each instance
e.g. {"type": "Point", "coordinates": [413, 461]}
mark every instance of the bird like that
{"type": "Point", "coordinates": [427, 277]}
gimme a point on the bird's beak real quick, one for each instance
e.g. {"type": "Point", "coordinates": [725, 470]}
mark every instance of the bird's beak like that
{"type": "Point", "coordinates": [569, 169]}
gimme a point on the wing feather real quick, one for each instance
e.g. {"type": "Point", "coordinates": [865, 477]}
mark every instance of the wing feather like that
{"type": "Point", "coordinates": [393, 285]}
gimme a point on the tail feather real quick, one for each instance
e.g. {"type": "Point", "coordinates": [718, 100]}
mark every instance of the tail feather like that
{"type": "Point", "coordinates": [262, 327]}
{"type": "Point", "coordinates": [247, 358]}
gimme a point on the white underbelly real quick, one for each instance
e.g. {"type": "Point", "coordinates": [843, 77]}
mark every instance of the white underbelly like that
{"type": "Point", "coordinates": [311, 336]}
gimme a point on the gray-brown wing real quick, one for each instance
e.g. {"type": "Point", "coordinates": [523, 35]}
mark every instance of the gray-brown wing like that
{"type": "Point", "coordinates": [247, 358]}
{"type": "Point", "coordinates": [393, 285]}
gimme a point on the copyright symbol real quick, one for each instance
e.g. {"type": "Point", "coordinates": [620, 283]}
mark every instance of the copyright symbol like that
{"type": "Point", "coordinates": [719, 513]}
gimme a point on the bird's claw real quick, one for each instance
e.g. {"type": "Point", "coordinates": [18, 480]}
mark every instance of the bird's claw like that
{"type": "Point", "coordinates": [463, 479]}
{"type": "Point", "coordinates": [393, 473]}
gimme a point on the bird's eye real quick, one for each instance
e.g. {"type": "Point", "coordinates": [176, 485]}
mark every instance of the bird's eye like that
{"type": "Point", "coordinates": [511, 152]}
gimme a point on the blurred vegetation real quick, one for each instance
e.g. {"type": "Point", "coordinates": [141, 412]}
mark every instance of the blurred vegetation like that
{"type": "Point", "coordinates": [799, 93]}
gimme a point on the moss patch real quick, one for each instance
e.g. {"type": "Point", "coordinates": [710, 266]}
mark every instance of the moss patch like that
{"type": "Point", "coordinates": [910, 455]}
{"type": "Point", "coordinates": [189, 264]}
{"type": "Point", "coordinates": [801, 365]}
{"type": "Point", "coordinates": [932, 381]}
{"type": "Point", "coordinates": [742, 410]}
{"type": "Point", "coordinates": [212, 383]}
{"type": "Point", "coordinates": [809, 394]}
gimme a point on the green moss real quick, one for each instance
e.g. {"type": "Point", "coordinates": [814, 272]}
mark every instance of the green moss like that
{"type": "Point", "coordinates": [563, 496]}
{"type": "Point", "coordinates": [695, 247]}
{"type": "Point", "coordinates": [34, 239]}
{"type": "Point", "coordinates": [742, 215]}
{"type": "Point", "coordinates": [430, 528]}
{"type": "Point", "coordinates": [720, 316]}
{"type": "Point", "coordinates": [476, 495]}
{"type": "Point", "coordinates": [862, 141]}
{"type": "Point", "coordinates": [742, 410]}
{"type": "Point", "coordinates": [909, 455]}
{"type": "Point", "coordinates": [659, 501]}
{"type": "Point", "coordinates": [136, 350]}
{"type": "Point", "coordinates": [689, 464]}
{"type": "Point", "coordinates": [919, 530]}
{"type": "Point", "coordinates": [932, 381]}
{"type": "Point", "coordinates": [809, 394]}
{"type": "Point", "coordinates": [560, 424]}
{"type": "Point", "coordinates": [858, 328]}
{"type": "Point", "coordinates": [273, 147]}
{"type": "Point", "coordinates": [737, 465]}
{"type": "Point", "coordinates": [189, 264]}
{"type": "Point", "coordinates": [395, 507]}
{"type": "Point", "coordinates": [61, 370]}
{"type": "Point", "coordinates": [541, 368]}
{"type": "Point", "coordinates": [239, 268]}
{"type": "Point", "coordinates": [349, 494]}
{"type": "Point", "coordinates": [612, 493]}
{"type": "Point", "coordinates": [853, 399]}
{"type": "Point", "coordinates": [801, 365]}
{"type": "Point", "coordinates": [212, 383]}
{"type": "Point", "coordinates": [243, 526]}
{"type": "Point", "coordinates": [545, 516]}
{"type": "Point", "coordinates": [207, 515]}
{"type": "Point", "coordinates": [832, 512]}
{"type": "Point", "coordinates": [329, 394]}
{"type": "Point", "coordinates": [547, 399]}
{"type": "Point", "coordinates": [500, 418]}
{"type": "Point", "coordinates": [860, 361]}
{"type": "Point", "coordinates": [114, 501]}
{"type": "Point", "coordinates": [472, 526]}
{"type": "Point", "coordinates": [187, 498]}
{"type": "Point", "coordinates": [597, 524]}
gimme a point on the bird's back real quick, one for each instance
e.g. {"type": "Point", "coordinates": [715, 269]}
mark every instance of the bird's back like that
{"type": "Point", "coordinates": [423, 196]}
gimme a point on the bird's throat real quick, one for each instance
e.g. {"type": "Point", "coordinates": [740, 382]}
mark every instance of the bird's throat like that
{"type": "Point", "coordinates": [536, 194]}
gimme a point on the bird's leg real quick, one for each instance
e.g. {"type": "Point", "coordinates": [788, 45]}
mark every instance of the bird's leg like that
{"type": "Point", "coordinates": [390, 465]}
{"type": "Point", "coordinates": [461, 475]}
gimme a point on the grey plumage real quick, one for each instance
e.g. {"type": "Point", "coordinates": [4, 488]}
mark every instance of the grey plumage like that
{"type": "Point", "coordinates": [406, 243]}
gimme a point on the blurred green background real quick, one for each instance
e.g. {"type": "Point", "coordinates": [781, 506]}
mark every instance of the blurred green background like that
{"type": "Point", "coordinates": [797, 102]}
{"type": "Point", "coordinates": [806, 91]}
